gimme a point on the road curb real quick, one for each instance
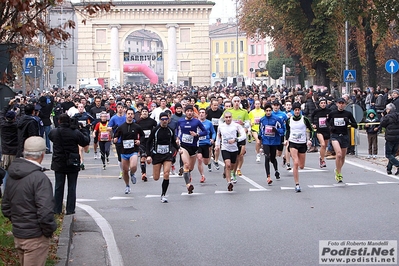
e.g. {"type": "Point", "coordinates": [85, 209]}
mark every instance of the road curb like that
{"type": "Point", "coordinates": [65, 240]}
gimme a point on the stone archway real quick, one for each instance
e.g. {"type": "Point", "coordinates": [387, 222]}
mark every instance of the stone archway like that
{"type": "Point", "coordinates": [183, 27]}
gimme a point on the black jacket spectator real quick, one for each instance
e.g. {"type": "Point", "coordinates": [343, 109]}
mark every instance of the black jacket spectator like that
{"type": "Point", "coordinates": [391, 124]}
{"type": "Point", "coordinates": [27, 127]}
{"type": "Point", "coordinates": [65, 141]}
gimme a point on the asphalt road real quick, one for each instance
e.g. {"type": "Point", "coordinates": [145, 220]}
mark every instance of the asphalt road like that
{"type": "Point", "coordinates": [256, 224]}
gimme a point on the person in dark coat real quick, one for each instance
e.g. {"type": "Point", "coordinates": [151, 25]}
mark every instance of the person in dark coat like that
{"type": "Point", "coordinates": [27, 127]}
{"type": "Point", "coordinates": [390, 122]}
{"type": "Point", "coordinates": [66, 141]}
{"type": "Point", "coordinates": [28, 202]}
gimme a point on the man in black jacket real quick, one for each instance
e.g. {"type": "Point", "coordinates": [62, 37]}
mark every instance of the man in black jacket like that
{"type": "Point", "coordinates": [391, 123]}
{"type": "Point", "coordinates": [66, 141]}
{"type": "Point", "coordinates": [28, 202]}
{"type": "Point", "coordinates": [27, 127]}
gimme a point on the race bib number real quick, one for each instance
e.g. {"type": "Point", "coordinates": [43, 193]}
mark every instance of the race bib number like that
{"type": "Point", "coordinates": [128, 144]}
{"type": "Point", "coordinates": [339, 122]}
{"type": "Point", "coordinates": [257, 120]}
{"type": "Point", "coordinates": [162, 149]}
{"type": "Point", "coordinates": [269, 131]}
{"type": "Point", "coordinates": [83, 122]}
{"type": "Point", "coordinates": [297, 136]}
{"type": "Point", "coordinates": [98, 115]}
{"type": "Point", "coordinates": [202, 138]}
{"type": "Point", "coordinates": [322, 122]}
{"type": "Point", "coordinates": [215, 121]}
{"type": "Point", "coordinates": [147, 133]}
{"type": "Point", "coordinates": [187, 138]}
{"type": "Point", "coordinates": [104, 136]}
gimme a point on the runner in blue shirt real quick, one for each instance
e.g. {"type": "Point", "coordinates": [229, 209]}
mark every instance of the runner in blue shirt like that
{"type": "Point", "coordinates": [113, 124]}
{"type": "Point", "coordinates": [205, 144]}
{"type": "Point", "coordinates": [189, 130]}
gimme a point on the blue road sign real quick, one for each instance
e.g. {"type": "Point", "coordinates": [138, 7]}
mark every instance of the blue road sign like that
{"type": "Point", "coordinates": [349, 75]}
{"type": "Point", "coordinates": [213, 75]}
{"type": "Point", "coordinates": [392, 66]}
{"type": "Point", "coordinates": [29, 62]}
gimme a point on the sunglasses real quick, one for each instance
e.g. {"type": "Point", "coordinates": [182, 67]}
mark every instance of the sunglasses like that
{"type": "Point", "coordinates": [164, 119]}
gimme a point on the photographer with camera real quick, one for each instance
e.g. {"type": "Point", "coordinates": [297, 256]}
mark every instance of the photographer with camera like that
{"type": "Point", "coordinates": [66, 160]}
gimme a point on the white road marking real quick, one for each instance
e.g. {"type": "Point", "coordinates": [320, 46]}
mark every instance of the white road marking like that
{"type": "Point", "coordinates": [257, 189]}
{"type": "Point", "coordinates": [253, 183]}
{"type": "Point", "coordinates": [186, 193]}
{"type": "Point", "coordinates": [115, 257]}
{"type": "Point", "coordinates": [287, 188]}
{"type": "Point", "coordinates": [387, 182]}
{"type": "Point", "coordinates": [119, 198]}
{"type": "Point", "coordinates": [83, 200]}
{"type": "Point", "coordinates": [320, 186]}
{"type": "Point", "coordinates": [371, 169]}
{"type": "Point", "coordinates": [224, 192]}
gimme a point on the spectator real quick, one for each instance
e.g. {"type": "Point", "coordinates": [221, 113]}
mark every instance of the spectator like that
{"type": "Point", "coordinates": [27, 127]}
{"type": "Point", "coordinates": [28, 203]}
{"type": "Point", "coordinates": [66, 141]}
{"type": "Point", "coordinates": [390, 122]}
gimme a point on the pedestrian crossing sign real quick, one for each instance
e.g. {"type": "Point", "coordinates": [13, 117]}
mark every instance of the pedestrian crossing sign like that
{"type": "Point", "coordinates": [29, 62]}
{"type": "Point", "coordinates": [349, 75]}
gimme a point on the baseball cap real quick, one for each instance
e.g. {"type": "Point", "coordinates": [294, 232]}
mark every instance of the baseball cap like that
{"type": "Point", "coordinates": [34, 144]}
{"type": "Point", "coordinates": [341, 100]}
{"type": "Point", "coordinates": [276, 102]}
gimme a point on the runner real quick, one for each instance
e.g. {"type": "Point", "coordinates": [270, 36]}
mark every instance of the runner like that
{"type": "Point", "coordinates": [147, 124]}
{"type": "Point", "coordinates": [205, 144]}
{"type": "Point", "coordinates": [130, 134]}
{"type": "Point", "coordinates": [339, 121]}
{"type": "Point", "coordinates": [213, 114]}
{"type": "Point", "coordinates": [104, 137]}
{"type": "Point", "coordinates": [116, 121]}
{"type": "Point", "coordinates": [319, 120]}
{"type": "Point", "coordinates": [297, 143]}
{"type": "Point", "coordinates": [84, 120]}
{"type": "Point", "coordinates": [276, 105]}
{"type": "Point", "coordinates": [187, 129]}
{"type": "Point", "coordinates": [270, 132]}
{"type": "Point", "coordinates": [159, 150]}
{"type": "Point", "coordinates": [241, 117]}
{"type": "Point", "coordinates": [227, 136]}
{"type": "Point", "coordinates": [255, 116]}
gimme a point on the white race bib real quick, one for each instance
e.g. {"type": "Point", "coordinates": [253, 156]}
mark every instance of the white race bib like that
{"type": "Point", "coordinates": [83, 122]}
{"type": "Point", "coordinates": [98, 115]}
{"type": "Point", "coordinates": [162, 149]}
{"type": "Point", "coordinates": [187, 138]}
{"type": "Point", "coordinates": [147, 133]}
{"type": "Point", "coordinates": [297, 136]}
{"type": "Point", "coordinates": [202, 138]}
{"type": "Point", "coordinates": [128, 144]}
{"type": "Point", "coordinates": [215, 121]}
{"type": "Point", "coordinates": [339, 122]}
{"type": "Point", "coordinates": [257, 120]}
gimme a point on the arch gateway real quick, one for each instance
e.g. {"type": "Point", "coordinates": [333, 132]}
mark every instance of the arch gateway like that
{"type": "Point", "coordinates": [183, 27]}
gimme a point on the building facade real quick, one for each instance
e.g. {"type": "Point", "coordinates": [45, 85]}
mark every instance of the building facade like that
{"type": "Point", "coordinates": [183, 27]}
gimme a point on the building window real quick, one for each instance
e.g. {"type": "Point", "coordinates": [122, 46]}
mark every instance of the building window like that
{"type": "Point", "coordinates": [232, 47]}
{"type": "Point", "coordinates": [233, 69]}
{"type": "Point", "coordinates": [241, 46]}
{"type": "Point", "coordinates": [129, 50]}
{"type": "Point", "coordinates": [217, 70]}
{"type": "Point", "coordinates": [185, 35]}
{"type": "Point", "coordinates": [217, 47]}
{"type": "Point", "coordinates": [101, 36]}
{"type": "Point", "coordinates": [101, 66]}
{"type": "Point", "coordinates": [241, 66]}
{"type": "Point", "coordinates": [225, 66]}
{"type": "Point", "coordinates": [185, 65]}
{"type": "Point", "coordinates": [252, 49]}
{"type": "Point", "coordinates": [225, 47]}
{"type": "Point", "coordinates": [259, 49]}
{"type": "Point", "coordinates": [128, 42]}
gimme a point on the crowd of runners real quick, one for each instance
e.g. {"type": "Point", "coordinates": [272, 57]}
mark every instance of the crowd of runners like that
{"type": "Point", "coordinates": [175, 128]}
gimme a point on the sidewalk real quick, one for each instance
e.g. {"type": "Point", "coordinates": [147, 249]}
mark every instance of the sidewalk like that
{"type": "Point", "coordinates": [81, 241]}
